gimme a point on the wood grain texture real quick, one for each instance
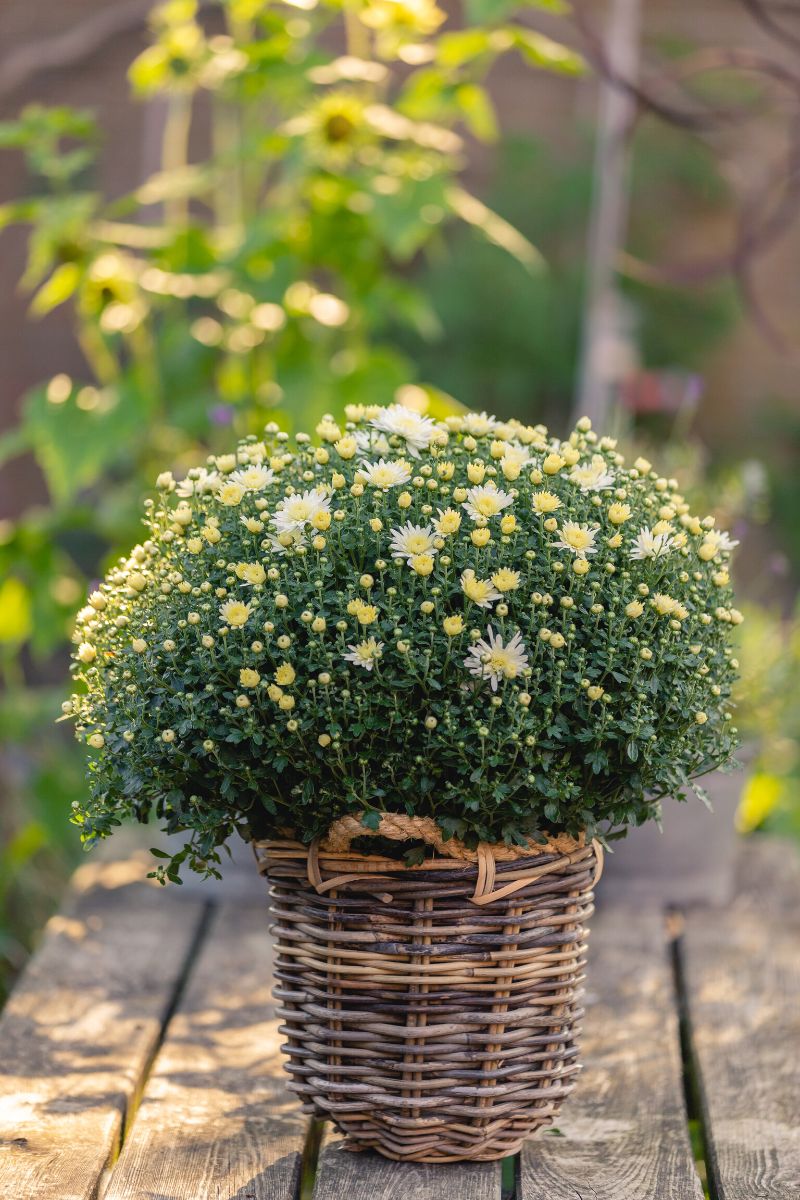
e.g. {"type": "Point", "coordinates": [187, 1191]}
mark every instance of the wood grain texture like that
{"type": "Point", "coordinates": [623, 1132]}
{"type": "Point", "coordinates": [343, 1175]}
{"type": "Point", "coordinates": [742, 979]}
{"type": "Point", "coordinates": [215, 1121]}
{"type": "Point", "coordinates": [81, 1027]}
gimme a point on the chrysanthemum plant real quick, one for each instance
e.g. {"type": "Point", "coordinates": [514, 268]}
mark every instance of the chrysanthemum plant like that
{"type": "Point", "coordinates": [471, 621]}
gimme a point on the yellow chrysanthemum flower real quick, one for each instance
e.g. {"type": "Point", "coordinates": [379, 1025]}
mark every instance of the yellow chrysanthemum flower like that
{"type": "Point", "coordinates": [230, 494]}
{"type": "Point", "coordinates": [448, 521]}
{"type": "Point", "coordinates": [421, 563]}
{"type": "Point", "coordinates": [506, 580]}
{"type": "Point", "coordinates": [618, 513]}
{"type": "Point", "coordinates": [252, 573]}
{"type": "Point", "coordinates": [235, 613]}
{"type": "Point", "coordinates": [545, 502]}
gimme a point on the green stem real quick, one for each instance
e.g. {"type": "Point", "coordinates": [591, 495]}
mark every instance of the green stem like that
{"type": "Point", "coordinates": [175, 154]}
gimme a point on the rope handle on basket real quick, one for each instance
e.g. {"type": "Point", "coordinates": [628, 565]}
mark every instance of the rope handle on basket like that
{"type": "Point", "coordinates": [399, 827]}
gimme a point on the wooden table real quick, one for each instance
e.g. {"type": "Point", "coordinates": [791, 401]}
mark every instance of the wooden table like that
{"type": "Point", "coordinates": [139, 1058]}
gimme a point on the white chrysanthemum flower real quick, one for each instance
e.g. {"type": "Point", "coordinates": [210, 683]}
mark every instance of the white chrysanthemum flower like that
{"type": "Point", "coordinates": [486, 501]}
{"type": "Point", "coordinates": [719, 539]}
{"type": "Point", "coordinates": [577, 538]}
{"type": "Point", "coordinates": [593, 476]}
{"type": "Point", "coordinates": [295, 512]}
{"type": "Point", "coordinates": [383, 474]}
{"type": "Point", "coordinates": [410, 540]}
{"type": "Point", "coordinates": [254, 478]}
{"type": "Point", "coordinates": [489, 659]}
{"type": "Point", "coordinates": [417, 430]}
{"type": "Point", "coordinates": [516, 456]}
{"type": "Point", "coordinates": [363, 654]}
{"type": "Point", "coordinates": [198, 483]}
{"type": "Point", "coordinates": [369, 441]}
{"type": "Point", "coordinates": [479, 424]}
{"type": "Point", "coordinates": [651, 545]}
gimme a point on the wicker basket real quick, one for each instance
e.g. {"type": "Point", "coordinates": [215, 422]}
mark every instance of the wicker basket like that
{"type": "Point", "coordinates": [431, 1012]}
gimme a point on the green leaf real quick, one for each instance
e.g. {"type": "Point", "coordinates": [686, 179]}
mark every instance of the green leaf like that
{"type": "Point", "coordinates": [58, 288]}
{"type": "Point", "coordinates": [13, 443]}
{"type": "Point", "coordinates": [455, 49]}
{"type": "Point", "coordinates": [75, 445]}
{"type": "Point", "coordinates": [477, 111]}
{"type": "Point", "coordinates": [542, 51]}
{"type": "Point", "coordinates": [490, 12]}
{"type": "Point", "coordinates": [494, 228]}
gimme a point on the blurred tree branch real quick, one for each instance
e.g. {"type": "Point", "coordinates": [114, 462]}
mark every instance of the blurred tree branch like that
{"type": "Point", "coordinates": [670, 93]}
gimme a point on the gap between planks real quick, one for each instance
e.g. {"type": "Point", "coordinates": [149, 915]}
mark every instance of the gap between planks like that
{"type": "Point", "coordinates": [623, 1134]}
{"type": "Point", "coordinates": [82, 1027]}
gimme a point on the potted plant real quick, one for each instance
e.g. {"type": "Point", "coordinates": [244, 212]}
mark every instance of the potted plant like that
{"type": "Point", "coordinates": [427, 669]}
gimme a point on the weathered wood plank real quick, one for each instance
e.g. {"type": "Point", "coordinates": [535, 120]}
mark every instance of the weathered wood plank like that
{"type": "Point", "coordinates": [215, 1120]}
{"type": "Point", "coordinates": [623, 1134]}
{"type": "Point", "coordinates": [342, 1175]}
{"type": "Point", "coordinates": [742, 979]}
{"type": "Point", "coordinates": [81, 1027]}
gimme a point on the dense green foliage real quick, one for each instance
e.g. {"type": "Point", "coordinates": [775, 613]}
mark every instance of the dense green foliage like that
{"type": "Point", "coordinates": [468, 620]}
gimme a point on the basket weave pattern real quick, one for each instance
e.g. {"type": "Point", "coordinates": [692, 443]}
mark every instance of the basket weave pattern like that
{"type": "Point", "coordinates": [427, 1021]}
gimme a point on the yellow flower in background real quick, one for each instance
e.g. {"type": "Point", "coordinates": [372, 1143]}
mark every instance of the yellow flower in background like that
{"type": "Point", "coordinates": [508, 523]}
{"type": "Point", "coordinates": [328, 430]}
{"type": "Point", "coordinates": [285, 674]}
{"type": "Point", "coordinates": [453, 625]}
{"type": "Point", "coordinates": [249, 678]}
{"type": "Point", "coordinates": [763, 794]}
{"type": "Point", "coordinates": [634, 609]}
{"type": "Point", "coordinates": [346, 447]}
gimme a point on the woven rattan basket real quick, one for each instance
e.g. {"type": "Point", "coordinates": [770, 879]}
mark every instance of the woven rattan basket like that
{"type": "Point", "coordinates": [431, 1012]}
